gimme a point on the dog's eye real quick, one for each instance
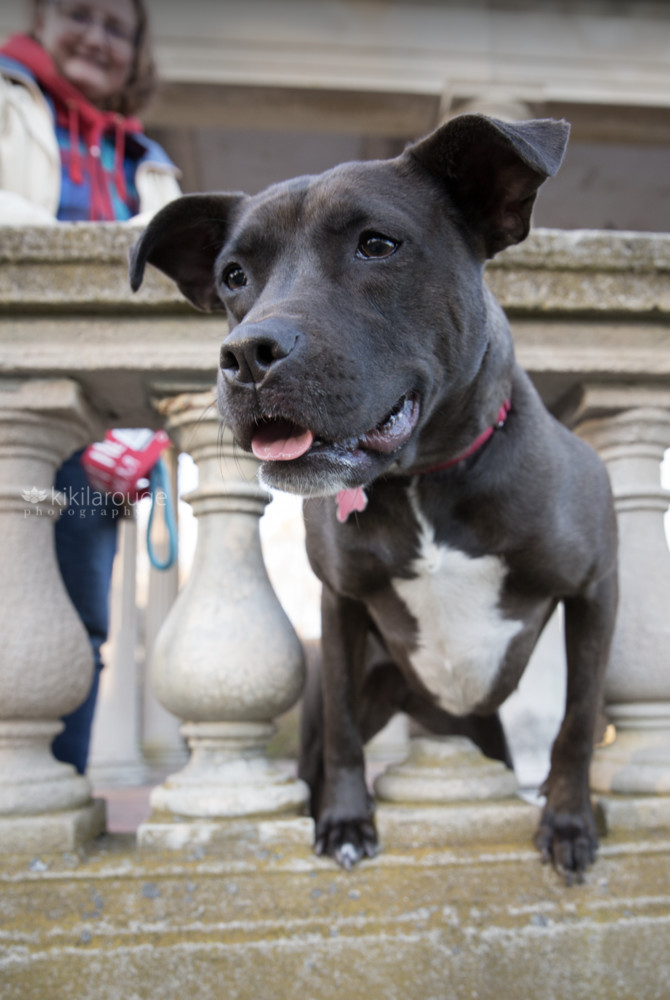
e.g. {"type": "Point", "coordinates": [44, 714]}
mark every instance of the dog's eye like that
{"type": "Point", "coordinates": [234, 277]}
{"type": "Point", "coordinates": [375, 245]}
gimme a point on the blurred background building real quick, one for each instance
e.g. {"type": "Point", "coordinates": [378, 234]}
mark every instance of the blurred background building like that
{"type": "Point", "coordinates": [255, 91]}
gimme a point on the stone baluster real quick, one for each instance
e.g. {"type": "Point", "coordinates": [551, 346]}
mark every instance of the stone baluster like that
{"type": "Point", "coordinates": [45, 655]}
{"type": "Point", "coordinates": [116, 756]}
{"type": "Point", "coordinates": [637, 689]}
{"type": "Point", "coordinates": [162, 744]}
{"type": "Point", "coordinates": [227, 660]}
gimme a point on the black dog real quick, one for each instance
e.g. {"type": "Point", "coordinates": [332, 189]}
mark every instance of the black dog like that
{"type": "Point", "coordinates": [448, 512]}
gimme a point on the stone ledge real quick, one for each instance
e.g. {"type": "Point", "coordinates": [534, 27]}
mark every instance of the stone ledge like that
{"type": "Point", "coordinates": [226, 837]}
{"type": "Point", "coordinates": [430, 826]}
{"type": "Point", "coordinates": [79, 266]}
{"type": "Point", "coordinates": [570, 249]}
{"type": "Point", "coordinates": [399, 826]}
{"type": "Point", "coordinates": [56, 831]}
{"type": "Point", "coordinates": [629, 814]}
{"type": "Point", "coordinates": [270, 920]}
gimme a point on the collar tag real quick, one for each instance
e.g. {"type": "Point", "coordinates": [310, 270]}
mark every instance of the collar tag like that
{"type": "Point", "coordinates": [349, 501]}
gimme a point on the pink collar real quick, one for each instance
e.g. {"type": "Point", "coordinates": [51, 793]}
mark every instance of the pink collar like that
{"type": "Point", "coordinates": [476, 444]}
{"type": "Point", "coordinates": [353, 500]}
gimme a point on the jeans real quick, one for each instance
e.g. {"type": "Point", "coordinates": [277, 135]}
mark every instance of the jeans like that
{"type": "Point", "coordinates": [85, 547]}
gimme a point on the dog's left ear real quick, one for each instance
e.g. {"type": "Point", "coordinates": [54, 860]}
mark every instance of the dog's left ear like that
{"type": "Point", "coordinates": [493, 170]}
{"type": "Point", "coordinates": [183, 241]}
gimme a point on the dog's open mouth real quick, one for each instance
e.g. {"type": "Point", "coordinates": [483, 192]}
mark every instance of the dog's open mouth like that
{"type": "Point", "coordinates": [280, 440]}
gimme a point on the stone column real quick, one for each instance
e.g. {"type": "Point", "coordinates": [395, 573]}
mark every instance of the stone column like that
{"type": "Point", "coordinates": [116, 756]}
{"type": "Point", "coordinates": [162, 744]}
{"type": "Point", "coordinates": [637, 689]}
{"type": "Point", "coordinates": [227, 660]}
{"type": "Point", "coordinates": [506, 106]}
{"type": "Point", "coordinates": [45, 656]}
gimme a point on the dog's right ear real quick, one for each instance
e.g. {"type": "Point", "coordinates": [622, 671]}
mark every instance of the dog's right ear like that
{"type": "Point", "coordinates": [493, 170]}
{"type": "Point", "coordinates": [183, 241]}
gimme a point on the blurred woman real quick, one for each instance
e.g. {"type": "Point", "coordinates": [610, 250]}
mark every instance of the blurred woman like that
{"type": "Point", "coordinates": [72, 150]}
{"type": "Point", "coordinates": [70, 146]}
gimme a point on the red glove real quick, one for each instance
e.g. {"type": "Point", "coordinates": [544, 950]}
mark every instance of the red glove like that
{"type": "Point", "coordinates": [122, 462]}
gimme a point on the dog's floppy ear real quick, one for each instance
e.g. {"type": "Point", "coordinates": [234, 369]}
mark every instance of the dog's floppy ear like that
{"type": "Point", "coordinates": [183, 240]}
{"type": "Point", "coordinates": [493, 170]}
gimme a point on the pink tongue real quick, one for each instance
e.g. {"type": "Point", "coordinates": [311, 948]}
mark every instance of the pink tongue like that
{"type": "Point", "coordinates": [281, 442]}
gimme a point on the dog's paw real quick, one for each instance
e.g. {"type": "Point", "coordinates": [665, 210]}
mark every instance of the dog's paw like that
{"type": "Point", "coordinates": [347, 842]}
{"type": "Point", "coordinates": [569, 841]}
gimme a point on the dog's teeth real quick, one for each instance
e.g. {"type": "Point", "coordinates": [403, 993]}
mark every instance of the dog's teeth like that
{"type": "Point", "coordinates": [390, 417]}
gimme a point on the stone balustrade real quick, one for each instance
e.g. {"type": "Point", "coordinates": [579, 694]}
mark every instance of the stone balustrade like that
{"type": "Point", "coordinates": [590, 313]}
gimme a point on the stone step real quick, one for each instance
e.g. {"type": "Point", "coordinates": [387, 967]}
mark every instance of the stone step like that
{"type": "Point", "coordinates": [255, 914]}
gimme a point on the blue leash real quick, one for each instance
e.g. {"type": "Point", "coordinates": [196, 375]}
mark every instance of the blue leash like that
{"type": "Point", "coordinates": [159, 478]}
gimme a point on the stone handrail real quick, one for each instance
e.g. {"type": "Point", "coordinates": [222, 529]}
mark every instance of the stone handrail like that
{"type": "Point", "coordinates": [554, 286]}
{"type": "Point", "coordinates": [590, 313]}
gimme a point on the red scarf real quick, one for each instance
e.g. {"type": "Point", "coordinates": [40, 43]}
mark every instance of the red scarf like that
{"type": "Point", "coordinates": [82, 119]}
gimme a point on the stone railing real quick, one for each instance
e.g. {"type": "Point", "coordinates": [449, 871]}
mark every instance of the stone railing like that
{"type": "Point", "coordinates": [591, 318]}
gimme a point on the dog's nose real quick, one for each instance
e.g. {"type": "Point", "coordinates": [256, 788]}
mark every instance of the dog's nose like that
{"type": "Point", "coordinates": [252, 349]}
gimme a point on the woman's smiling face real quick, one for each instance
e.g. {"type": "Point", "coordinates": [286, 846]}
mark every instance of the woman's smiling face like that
{"type": "Point", "coordinates": [92, 43]}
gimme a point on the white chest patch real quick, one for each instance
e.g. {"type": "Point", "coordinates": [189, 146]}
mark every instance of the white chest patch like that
{"type": "Point", "coordinates": [462, 635]}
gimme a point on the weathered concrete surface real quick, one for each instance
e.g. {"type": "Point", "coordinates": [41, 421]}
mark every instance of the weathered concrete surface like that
{"type": "Point", "coordinates": [553, 271]}
{"type": "Point", "coordinates": [260, 917]}
{"type": "Point", "coordinates": [584, 305]}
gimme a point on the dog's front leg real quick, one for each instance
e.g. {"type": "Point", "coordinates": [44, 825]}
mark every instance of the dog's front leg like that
{"type": "Point", "coordinates": [344, 827]}
{"type": "Point", "coordinates": [567, 833]}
